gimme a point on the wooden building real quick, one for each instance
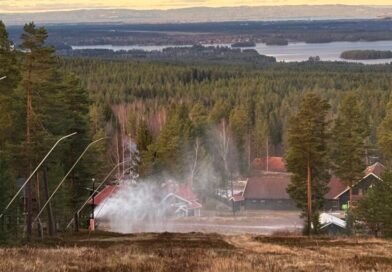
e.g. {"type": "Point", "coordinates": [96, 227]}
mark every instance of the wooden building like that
{"type": "Point", "coordinates": [268, 189]}
{"type": "Point", "coordinates": [339, 193]}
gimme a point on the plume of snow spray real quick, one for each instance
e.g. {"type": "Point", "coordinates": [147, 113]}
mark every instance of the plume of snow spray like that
{"type": "Point", "coordinates": [133, 208]}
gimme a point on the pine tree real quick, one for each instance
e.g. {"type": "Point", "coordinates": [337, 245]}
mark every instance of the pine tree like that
{"type": "Point", "coordinates": [385, 133]}
{"type": "Point", "coordinates": [9, 129]}
{"type": "Point", "coordinates": [37, 72]}
{"type": "Point", "coordinates": [307, 158]}
{"type": "Point", "coordinates": [348, 145]}
{"type": "Point", "coordinates": [37, 79]}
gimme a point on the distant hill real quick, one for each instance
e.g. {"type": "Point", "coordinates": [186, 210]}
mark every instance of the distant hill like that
{"type": "Point", "coordinates": [202, 14]}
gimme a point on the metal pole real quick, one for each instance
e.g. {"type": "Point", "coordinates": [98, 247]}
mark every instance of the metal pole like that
{"type": "Point", "coordinates": [96, 190]}
{"type": "Point", "coordinates": [309, 198]}
{"type": "Point", "coordinates": [93, 197]}
{"type": "Point", "coordinates": [92, 221]}
{"type": "Point", "coordinates": [35, 170]}
{"type": "Point", "coordinates": [66, 175]}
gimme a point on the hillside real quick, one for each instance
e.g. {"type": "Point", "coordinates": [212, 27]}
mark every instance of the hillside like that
{"type": "Point", "coordinates": [201, 14]}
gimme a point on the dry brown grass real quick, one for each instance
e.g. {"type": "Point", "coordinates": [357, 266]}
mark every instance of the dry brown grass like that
{"type": "Point", "coordinates": [198, 252]}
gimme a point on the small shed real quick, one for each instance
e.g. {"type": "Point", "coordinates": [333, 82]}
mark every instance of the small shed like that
{"type": "Point", "coordinates": [332, 225]}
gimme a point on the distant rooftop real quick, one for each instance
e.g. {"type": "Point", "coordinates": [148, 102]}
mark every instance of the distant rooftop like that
{"type": "Point", "coordinates": [271, 164]}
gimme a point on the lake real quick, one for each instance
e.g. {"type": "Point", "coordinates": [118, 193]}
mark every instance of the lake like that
{"type": "Point", "coordinates": [289, 53]}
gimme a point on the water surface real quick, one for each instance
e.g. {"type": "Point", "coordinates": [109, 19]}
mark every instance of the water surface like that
{"type": "Point", "coordinates": [289, 53]}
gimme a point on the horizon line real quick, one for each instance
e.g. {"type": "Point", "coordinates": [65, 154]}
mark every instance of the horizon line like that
{"type": "Point", "coordinates": [194, 7]}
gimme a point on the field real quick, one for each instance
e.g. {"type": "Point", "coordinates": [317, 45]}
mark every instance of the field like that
{"type": "Point", "coordinates": [198, 252]}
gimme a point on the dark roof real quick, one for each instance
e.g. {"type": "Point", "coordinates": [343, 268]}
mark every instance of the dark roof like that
{"type": "Point", "coordinates": [275, 164]}
{"type": "Point", "coordinates": [337, 187]}
{"type": "Point", "coordinates": [272, 185]}
{"type": "Point", "coordinates": [268, 185]}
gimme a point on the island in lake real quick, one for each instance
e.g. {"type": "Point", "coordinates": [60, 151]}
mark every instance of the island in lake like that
{"type": "Point", "coordinates": [276, 41]}
{"type": "Point", "coordinates": [366, 54]}
{"type": "Point", "coordinates": [244, 44]}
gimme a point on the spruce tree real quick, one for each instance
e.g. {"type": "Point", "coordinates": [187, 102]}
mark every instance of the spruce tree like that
{"type": "Point", "coordinates": [306, 158]}
{"type": "Point", "coordinates": [375, 210]}
{"type": "Point", "coordinates": [239, 126]}
{"type": "Point", "coordinates": [348, 141]}
{"type": "Point", "coordinates": [143, 137]}
{"type": "Point", "coordinates": [168, 154]}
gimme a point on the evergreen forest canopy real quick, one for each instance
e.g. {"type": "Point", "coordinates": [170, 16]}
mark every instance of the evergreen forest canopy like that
{"type": "Point", "coordinates": [366, 54]}
{"type": "Point", "coordinates": [199, 123]}
{"type": "Point", "coordinates": [267, 97]}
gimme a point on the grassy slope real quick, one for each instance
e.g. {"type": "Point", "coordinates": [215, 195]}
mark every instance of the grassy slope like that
{"type": "Point", "coordinates": [198, 252]}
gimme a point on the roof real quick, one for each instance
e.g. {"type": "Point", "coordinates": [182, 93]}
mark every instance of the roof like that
{"type": "Point", "coordinates": [336, 186]}
{"type": "Point", "coordinates": [182, 191]}
{"type": "Point", "coordinates": [190, 204]}
{"type": "Point", "coordinates": [268, 185]}
{"type": "Point", "coordinates": [194, 205]}
{"type": "Point", "coordinates": [185, 191]}
{"type": "Point", "coordinates": [104, 194]}
{"type": "Point", "coordinates": [327, 219]}
{"type": "Point", "coordinates": [376, 169]}
{"type": "Point", "coordinates": [275, 164]}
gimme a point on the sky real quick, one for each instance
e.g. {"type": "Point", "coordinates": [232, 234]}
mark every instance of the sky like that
{"type": "Point", "coordinates": [50, 5]}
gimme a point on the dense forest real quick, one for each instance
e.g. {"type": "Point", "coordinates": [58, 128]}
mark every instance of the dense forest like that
{"type": "Point", "coordinates": [196, 54]}
{"type": "Point", "coordinates": [197, 123]}
{"type": "Point", "coordinates": [366, 54]}
{"type": "Point", "coordinates": [268, 96]}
